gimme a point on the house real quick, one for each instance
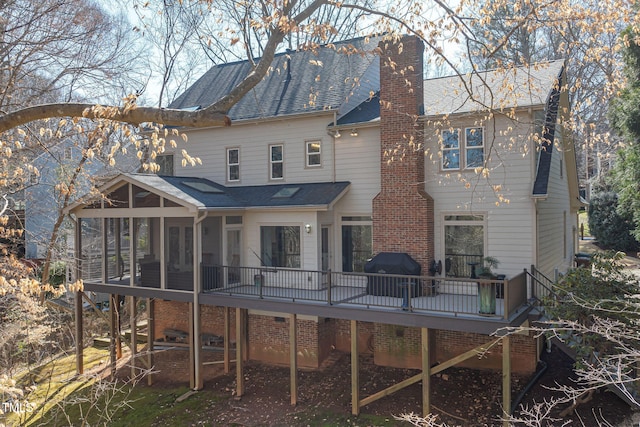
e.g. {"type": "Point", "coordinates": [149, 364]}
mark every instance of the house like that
{"type": "Point", "coordinates": [44, 195]}
{"type": "Point", "coordinates": [12, 208]}
{"type": "Point", "coordinates": [340, 155]}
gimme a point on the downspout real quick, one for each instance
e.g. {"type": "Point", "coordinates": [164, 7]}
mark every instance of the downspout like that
{"type": "Point", "coordinates": [197, 245]}
{"type": "Point", "coordinates": [538, 374]}
{"type": "Point", "coordinates": [534, 241]}
{"type": "Point", "coordinates": [333, 149]}
{"type": "Point", "coordinates": [534, 225]}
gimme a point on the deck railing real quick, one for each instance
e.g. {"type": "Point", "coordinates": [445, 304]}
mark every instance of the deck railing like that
{"type": "Point", "coordinates": [461, 265]}
{"type": "Point", "coordinates": [457, 296]}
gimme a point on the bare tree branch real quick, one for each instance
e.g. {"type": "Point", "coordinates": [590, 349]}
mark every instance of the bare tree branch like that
{"type": "Point", "coordinates": [211, 116]}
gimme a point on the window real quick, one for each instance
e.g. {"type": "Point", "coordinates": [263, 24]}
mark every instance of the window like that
{"type": "Point", "coordinates": [165, 162]}
{"type": "Point", "coordinates": [67, 153]}
{"type": "Point", "coordinates": [233, 164]}
{"type": "Point", "coordinates": [463, 244]}
{"type": "Point", "coordinates": [276, 161]}
{"type": "Point", "coordinates": [451, 149]}
{"type": "Point", "coordinates": [179, 245]}
{"type": "Point", "coordinates": [357, 242]}
{"type": "Point", "coordinates": [233, 219]}
{"type": "Point", "coordinates": [467, 153]}
{"type": "Point", "coordinates": [280, 246]}
{"type": "Point", "coordinates": [313, 154]}
{"type": "Point", "coordinates": [474, 138]}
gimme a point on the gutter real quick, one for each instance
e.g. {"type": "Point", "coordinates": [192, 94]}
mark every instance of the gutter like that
{"type": "Point", "coordinates": [259, 120]}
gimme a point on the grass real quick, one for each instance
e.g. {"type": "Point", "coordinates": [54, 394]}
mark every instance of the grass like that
{"type": "Point", "coordinates": [139, 406]}
{"type": "Point", "coordinates": [60, 398]}
{"type": "Point", "coordinates": [57, 397]}
{"type": "Point", "coordinates": [50, 383]}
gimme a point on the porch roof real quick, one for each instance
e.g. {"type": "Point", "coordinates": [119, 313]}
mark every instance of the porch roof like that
{"type": "Point", "coordinates": [203, 194]}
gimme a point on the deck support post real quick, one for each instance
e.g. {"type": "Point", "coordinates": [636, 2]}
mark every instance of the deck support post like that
{"type": "Point", "coordinates": [191, 341]}
{"type": "Point", "coordinates": [506, 379]}
{"type": "Point", "coordinates": [239, 353]}
{"type": "Point", "coordinates": [79, 334]}
{"type": "Point", "coordinates": [197, 348]}
{"type": "Point", "coordinates": [79, 298]}
{"type": "Point", "coordinates": [355, 370]}
{"type": "Point", "coordinates": [113, 357]}
{"type": "Point", "coordinates": [197, 288]}
{"type": "Point", "coordinates": [151, 335]}
{"type": "Point", "coordinates": [118, 328]}
{"type": "Point", "coordinates": [426, 371]}
{"type": "Point", "coordinates": [293, 359]}
{"type": "Point", "coordinates": [134, 334]}
{"type": "Point", "coordinates": [227, 338]}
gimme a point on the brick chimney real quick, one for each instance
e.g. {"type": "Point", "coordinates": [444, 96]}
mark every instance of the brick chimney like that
{"type": "Point", "coordinates": [402, 211]}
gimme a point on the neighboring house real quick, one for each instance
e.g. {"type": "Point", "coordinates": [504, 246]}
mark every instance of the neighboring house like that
{"type": "Point", "coordinates": [11, 237]}
{"type": "Point", "coordinates": [43, 197]}
{"type": "Point", "coordinates": [333, 158]}
{"type": "Point", "coordinates": [44, 194]}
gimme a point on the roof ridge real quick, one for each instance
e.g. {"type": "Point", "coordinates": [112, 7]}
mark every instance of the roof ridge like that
{"type": "Point", "coordinates": [493, 70]}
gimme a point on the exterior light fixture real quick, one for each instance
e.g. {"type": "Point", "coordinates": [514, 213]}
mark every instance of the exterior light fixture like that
{"type": "Point", "coordinates": [337, 134]}
{"type": "Point", "coordinates": [354, 132]}
{"type": "Point", "coordinates": [307, 228]}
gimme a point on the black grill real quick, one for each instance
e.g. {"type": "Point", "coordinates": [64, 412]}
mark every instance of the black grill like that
{"type": "Point", "coordinates": [393, 263]}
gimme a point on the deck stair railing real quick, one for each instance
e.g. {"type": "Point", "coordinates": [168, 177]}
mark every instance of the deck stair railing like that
{"type": "Point", "coordinates": [541, 287]}
{"type": "Point", "coordinates": [567, 341]}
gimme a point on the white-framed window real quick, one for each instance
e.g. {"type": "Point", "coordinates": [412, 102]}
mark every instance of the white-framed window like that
{"type": "Point", "coordinates": [276, 161]}
{"type": "Point", "coordinates": [280, 246]}
{"type": "Point", "coordinates": [450, 149]}
{"type": "Point", "coordinates": [233, 164]}
{"type": "Point", "coordinates": [357, 242]}
{"type": "Point", "coordinates": [313, 154]}
{"type": "Point", "coordinates": [165, 161]}
{"type": "Point", "coordinates": [67, 153]}
{"type": "Point", "coordinates": [462, 150]}
{"type": "Point", "coordinates": [464, 243]}
{"type": "Point", "coordinates": [474, 143]}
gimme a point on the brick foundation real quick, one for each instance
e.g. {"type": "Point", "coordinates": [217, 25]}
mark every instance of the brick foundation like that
{"type": "Point", "coordinates": [173, 365]}
{"type": "Point", "coordinates": [269, 341]}
{"type": "Point", "coordinates": [268, 336]}
{"type": "Point", "coordinates": [392, 345]}
{"type": "Point", "coordinates": [175, 315]}
{"type": "Point", "coordinates": [400, 347]}
{"type": "Point", "coordinates": [343, 336]}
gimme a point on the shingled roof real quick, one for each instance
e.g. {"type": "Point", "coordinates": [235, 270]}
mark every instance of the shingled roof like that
{"type": "Point", "coordinates": [335, 75]}
{"type": "Point", "coordinates": [497, 89]}
{"type": "Point", "coordinates": [204, 194]}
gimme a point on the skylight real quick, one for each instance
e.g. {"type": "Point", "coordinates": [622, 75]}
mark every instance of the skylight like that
{"type": "Point", "coordinates": [202, 187]}
{"type": "Point", "coordinates": [286, 193]}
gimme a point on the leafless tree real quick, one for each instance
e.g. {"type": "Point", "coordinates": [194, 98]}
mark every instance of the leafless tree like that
{"type": "Point", "coordinates": [515, 33]}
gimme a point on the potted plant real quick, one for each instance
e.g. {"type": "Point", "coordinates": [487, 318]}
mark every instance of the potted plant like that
{"type": "Point", "coordinates": [487, 290]}
{"type": "Point", "coordinates": [486, 270]}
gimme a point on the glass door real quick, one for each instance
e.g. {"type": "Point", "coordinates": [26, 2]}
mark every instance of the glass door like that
{"type": "Point", "coordinates": [234, 254]}
{"type": "Point", "coordinates": [325, 253]}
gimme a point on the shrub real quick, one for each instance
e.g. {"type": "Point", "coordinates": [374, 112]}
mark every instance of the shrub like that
{"type": "Point", "coordinates": [611, 230]}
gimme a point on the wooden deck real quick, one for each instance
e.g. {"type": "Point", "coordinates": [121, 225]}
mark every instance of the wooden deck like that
{"type": "Point", "coordinates": [434, 302]}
